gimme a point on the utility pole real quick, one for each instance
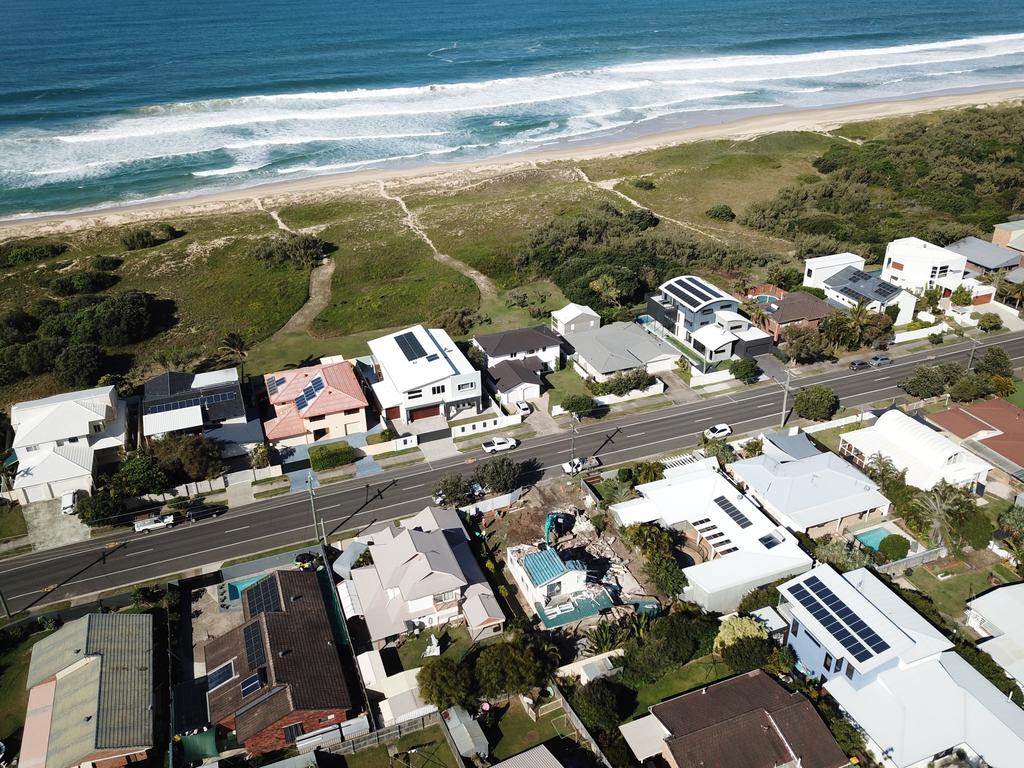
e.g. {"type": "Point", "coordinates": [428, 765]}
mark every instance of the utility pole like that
{"type": "Point", "coordinates": [785, 399]}
{"type": "Point", "coordinates": [572, 442]}
{"type": "Point", "coordinates": [312, 504]}
{"type": "Point", "coordinates": [974, 347]}
{"type": "Point", "coordinates": [3, 601]}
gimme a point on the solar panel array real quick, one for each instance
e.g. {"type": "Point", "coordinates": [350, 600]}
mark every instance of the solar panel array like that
{"type": "Point", "coordinates": [730, 509]}
{"type": "Point", "coordinates": [220, 397]}
{"type": "Point", "coordinates": [254, 646]}
{"type": "Point", "coordinates": [693, 292]}
{"type": "Point", "coordinates": [263, 596]}
{"type": "Point", "coordinates": [274, 384]}
{"type": "Point", "coordinates": [828, 609]}
{"type": "Point", "coordinates": [309, 393]}
{"type": "Point", "coordinates": [251, 684]}
{"type": "Point", "coordinates": [885, 290]}
{"type": "Point", "coordinates": [219, 676]}
{"type": "Point", "coordinates": [410, 346]}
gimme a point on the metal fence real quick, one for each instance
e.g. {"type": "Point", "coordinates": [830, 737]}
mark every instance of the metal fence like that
{"type": "Point", "coordinates": [386, 735]}
{"type": "Point", "coordinates": [913, 561]}
{"type": "Point", "coordinates": [576, 723]}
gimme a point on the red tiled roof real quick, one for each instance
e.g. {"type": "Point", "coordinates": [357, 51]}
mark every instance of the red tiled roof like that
{"type": "Point", "coordinates": [341, 393]}
{"type": "Point", "coordinates": [987, 416]}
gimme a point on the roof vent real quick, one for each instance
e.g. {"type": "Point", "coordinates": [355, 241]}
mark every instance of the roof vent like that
{"type": "Point", "coordinates": [283, 652]}
{"type": "Point", "coordinates": [293, 598]}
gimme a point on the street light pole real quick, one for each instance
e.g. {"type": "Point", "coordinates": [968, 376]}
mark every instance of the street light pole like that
{"type": "Point", "coordinates": [785, 399]}
{"type": "Point", "coordinates": [312, 504]}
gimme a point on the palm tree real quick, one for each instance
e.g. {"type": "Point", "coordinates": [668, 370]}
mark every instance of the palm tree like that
{"type": "Point", "coordinates": [881, 469]}
{"type": "Point", "coordinates": [617, 493]}
{"type": "Point", "coordinates": [636, 626]}
{"type": "Point", "coordinates": [235, 347]}
{"type": "Point", "coordinates": [1015, 547]}
{"type": "Point", "coordinates": [604, 637]}
{"type": "Point", "coordinates": [859, 316]}
{"type": "Point", "coordinates": [936, 508]}
{"type": "Point", "coordinates": [1016, 292]}
{"type": "Point", "coordinates": [648, 472]}
{"type": "Point", "coordinates": [755, 311]}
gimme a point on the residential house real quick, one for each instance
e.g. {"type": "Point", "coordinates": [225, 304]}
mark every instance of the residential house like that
{"type": "Point", "coordinates": [61, 441]}
{"type": "Point", "coordinates": [706, 319]}
{"type": "Point", "coordinates": [818, 495]}
{"type": "Point", "coordinates": [278, 674]}
{"type": "Point", "coordinates": [423, 574]}
{"type": "Point", "coordinates": [895, 675]}
{"type": "Point", "coordinates": [536, 757]}
{"type": "Point", "coordinates": [926, 455]}
{"type": "Point", "coordinates": [747, 721]}
{"type": "Point", "coordinates": [983, 257]}
{"type": "Point", "coordinates": [784, 310]}
{"type": "Point", "coordinates": [317, 402]}
{"type": "Point", "coordinates": [1009, 234]}
{"type": "Point", "coordinates": [601, 353]}
{"type": "Point", "coordinates": [556, 584]}
{"type": "Point", "coordinates": [738, 548]}
{"type": "Point", "coordinates": [208, 404]}
{"type": "Point", "coordinates": [917, 265]}
{"type": "Point", "coordinates": [819, 268]}
{"type": "Point", "coordinates": [91, 691]}
{"type": "Point", "coordinates": [791, 445]}
{"type": "Point", "coordinates": [574, 318]}
{"type": "Point", "coordinates": [993, 430]}
{"type": "Point", "coordinates": [538, 342]}
{"type": "Point", "coordinates": [397, 696]}
{"type": "Point", "coordinates": [515, 380]}
{"type": "Point", "coordinates": [998, 617]}
{"type": "Point", "coordinates": [849, 287]}
{"type": "Point", "coordinates": [420, 372]}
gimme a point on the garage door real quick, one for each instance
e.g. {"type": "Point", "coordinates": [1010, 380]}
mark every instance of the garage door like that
{"type": "Point", "coordinates": [424, 413]}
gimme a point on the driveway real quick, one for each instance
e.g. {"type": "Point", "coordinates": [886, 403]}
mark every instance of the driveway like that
{"type": "Point", "coordinates": [540, 419]}
{"type": "Point", "coordinates": [678, 391]}
{"type": "Point", "coordinates": [48, 528]}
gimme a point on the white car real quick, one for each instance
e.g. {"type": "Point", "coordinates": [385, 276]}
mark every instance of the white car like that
{"type": "Point", "coordinates": [717, 432]}
{"type": "Point", "coordinates": [68, 500]}
{"type": "Point", "coordinates": [523, 408]}
{"type": "Point", "coordinates": [147, 523]}
{"type": "Point", "coordinates": [500, 444]}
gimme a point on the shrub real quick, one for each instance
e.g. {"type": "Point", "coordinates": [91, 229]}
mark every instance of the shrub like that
{"type": "Point", "coordinates": [748, 653]}
{"type": "Point", "coordinates": [622, 383]}
{"type": "Point", "coordinates": [841, 556]}
{"type": "Point", "coordinates": [323, 457]}
{"type": "Point", "coordinates": [444, 683]}
{"type": "Point", "coordinates": [457, 322]}
{"type": "Point", "coordinates": [1003, 386]}
{"type": "Point", "coordinates": [962, 296]}
{"type": "Point", "coordinates": [82, 282]}
{"type": "Point", "coordinates": [106, 263]}
{"type": "Point", "coordinates": [817, 403]}
{"type": "Point", "coordinates": [643, 183]}
{"type": "Point", "coordinates": [975, 530]}
{"type": "Point", "coordinates": [736, 628]}
{"type": "Point", "coordinates": [597, 705]}
{"type": "Point", "coordinates": [24, 252]}
{"type": "Point", "coordinates": [745, 369]}
{"type": "Point", "coordinates": [79, 366]}
{"type": "Point", "coordinates": [99, 509]}
{"type": "Point", "coordinates": [137, 238]}
{"type": "Point", "coordinates": [139, 474]}
{"type": "Point", "coordinates": [721, 212]}
{"type": "Point", "coordinates": [578, 405]}
{"type": "Point", "coordinates": [935, 338]}
{"type": "Point", "coordinates": [188, 458]}
{"type": "Point", "coordinates": [761, 597]}
{"type": "Point", "coordinates": [995, 362]}
{"type": "Point", "coordinates": [453, 490]}
{"type": "Point", "coordinates": [989, 321]}
{"type": "Point", "coordinates": [925, 381]}
{"type": "Point", "coordinates": [259, 456]}
{"type": "Point", "coordinates": [501, 475]}
{"type": "Point", "coordinates": [301, 251]}
{"type": "Point", "coordinates": [39, 356]}
{"type": "Point", "coordinates": [893, 547]}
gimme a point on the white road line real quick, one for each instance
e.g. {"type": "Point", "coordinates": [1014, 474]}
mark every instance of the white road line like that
{"type": "Point", "coordinates": [410, 487]}
{"type": "Point", "coordinates": [637, 434]}
{"type": "Point", "coordinates": [140, 552]}
{"type": "Point", "coordinates": [235, 530]}
{"type": "Point", "coordinates": [882, 378]}
{"type": "Point", "coordinates": [765, 405]}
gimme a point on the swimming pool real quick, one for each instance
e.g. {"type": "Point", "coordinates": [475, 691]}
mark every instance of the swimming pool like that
{"type": "Point", "coordinates": [873, 538]}
{"type": "Point", "coordinates": [235, 588]}
{"type": "Point", "coordinates": [764, 298]}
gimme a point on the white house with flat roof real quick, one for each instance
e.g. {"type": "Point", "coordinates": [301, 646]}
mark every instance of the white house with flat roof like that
{"type": "Point", "coordinates": [998, 616]}
{"type": "Point", "coordinates": [740, 546]}
{"type": "Point", "coordinates": [60, 441]}
{"type": "Point", "coordinates": [917, 265]}
{"type": "Point", "coordinates": [819, 268]}
{"type": "Point", "coordinates": [894, 674]}
{"type": "Point", "coordinates": [818, 495]}
{"type": "Point", "coordinates": [927, 456]}
{"type": "Point", "coordinates": [420, 372]}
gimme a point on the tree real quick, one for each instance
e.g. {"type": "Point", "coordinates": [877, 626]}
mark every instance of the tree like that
{"type": "Point", "coordinates": [962, 296]}
{"type": "Point", "coordinates": [453, 490]}
{"type": "Point", "coordinates": [647, 537]}
{"type": "Point", "coordinates": [124, 318]}
{"type": "Point", "coordinates": [597, 705]}
{"type": "Point", "coordinates": [761, 597]}
{"type": "Point", "coordinates": [40, 355]}
{"type": "Point", "coordinates": [578, 405]}
{"type": "Point", "coordinates": [511, 668]}
{"type": "Point", "coordinates": [841, 555]}
{"type": "Point", "coordinates": [925, 381]}
{"type": "Point", "coordinates": [604, 636]}
{"type": "Point", "coordinates": [187, 458]}
{"type": "Point", "coordinates": [745, 369]}
{"type": "Point", "coordinates": [665, 574]}
{"type": "Point", "coordinates": [805, 345]}
{"type": "Point", "coordinates": [721, 212]}
{"type": "Point", "coordinates": [235, 347]}
{"type": "Point", "coordinates": [883, 471]}
{"type": "Point", "coordinates": [301, 251]}
{"type": "Point", "coordinates": [817, 402]}
{"type": "Point", "coordinates": [1003, 386]}
{"type": "Point", "coordinates": [967, 389]}
{"type": "Point", "coordinates": [720, 449]}
{"type": "Point", "coordinates": [608, 289]}
{"type": "Point", "coordinates": [753, 448]}
{"type": "Point", "coordinates": [80, 365]}
{"type": "Point", "coordinates": [995, 362]}
{"type": "Point", "coordinates": [736, 628]}
{"type": "Point", "coordinates": [444, 683]}
{"type": "Point", "coordinates": [780, 661]}
{"type": "Point", "coordinates": [139, 474]}
{"type": "Point", "coordinates": [648, 472]}
{"type": "Point", "coordinates": [748, 653]}
{"type": "Point", "coordinates": [259, 456]}
{"type": "Point", "coordinates": [500, 475]}
{"type": "Point", "coordinates": [936, 508]}
{"type": "Point", "coordinates": [840, 331]}
{"type": "Point", "coordinates": [99, 509]}
{"type": "Point", "coordinates": [893, 547]}
{"type": "Point", "coordinates": [989, 321]}
{"type": "Point", "coordinates": [1012, 521]}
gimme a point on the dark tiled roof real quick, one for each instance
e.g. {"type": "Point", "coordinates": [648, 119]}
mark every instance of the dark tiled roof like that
{"type": "Point", "coordinates": [750, 721]}
{"type": "Point", "coordinates": [800, 305]}
{"type": "Point", "coordinates": [519, 340]}
{"type": "Point", "coordinates": [301, 668]}
{"type": "Point", "coordinates": [173, 386]}
{"type": "Point", "coordinates": [509, 374]}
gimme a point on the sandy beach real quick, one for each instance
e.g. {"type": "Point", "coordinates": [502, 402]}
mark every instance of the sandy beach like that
{"type": "Point", "coordinates": [453, 175]}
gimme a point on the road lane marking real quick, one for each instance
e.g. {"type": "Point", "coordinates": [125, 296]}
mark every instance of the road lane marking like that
{"type": "Point", "coordinates": [765, 405]}
{"type": "Point", "coordinates": [236, 530]}
{"type": "Point", "coordinates": [140, 552]}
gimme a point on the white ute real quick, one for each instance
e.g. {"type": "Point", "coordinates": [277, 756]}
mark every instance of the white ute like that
{"type": "Point", "coordinates": [147, 523]}
{"type": "Point", "coordinates": [580, 463]}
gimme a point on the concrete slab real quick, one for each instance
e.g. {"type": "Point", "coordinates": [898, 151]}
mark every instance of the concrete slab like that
{"type": "Point", "coordinates": [540, 419]}
{"type": "Point", "coordinates": [367, 466]}
{"type": "Point", "coordinates": [678, 391]}
{"type": "Point", "coordinates": [436, 450]}
{"type": "Point", "coordinates": [240, 494]}
{"type": "Point", "coordinates": [48, 528]}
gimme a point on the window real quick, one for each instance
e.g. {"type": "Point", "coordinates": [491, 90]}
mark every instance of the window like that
{"type": "Point", "coordinates": [828, 661]}
{"type": "Point", "coordinates": [97, 427]}
{"type": "Point", "coordinates": [838, 666]}
{"type": "Point", "coordinates": [466, 385]}
{"type": "Point", "coordinates": [811, 638]}
{"type": "Point", "coordinates": [555, 589]}
{"type": "Point", "coordinates": [446, 597]}
{"type": "Point", "coordinates": [326, 719]}
{"type": "Point", "coordinates": [849, 671]}
{"type": "Point", "coordinates": [317, 418]}
{"type": "Point", "coordinates": [794, 630]}
{"type": "Point", "coordinates": [810, 272]}
{"type": "Point", "coordinates": [31, 448]}
{"type": "Point", "coordinates": [72, 439]}
{"type": "Point", "coordinates": [292, 732]}
{"type": "Point", "coordinates": [251, 684]}
{"type": "Point", "coordinates": [220, 675]}
{"type": "Point", "coordinates": [412, 395]}
{"type": "Point", "coordinates": [351, 411]}
{"type": "Point", "coordinates": [438, 389]}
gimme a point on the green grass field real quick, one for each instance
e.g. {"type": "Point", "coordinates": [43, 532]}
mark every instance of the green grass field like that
{"type": "Point", "coordinates": [950, 595]}
{"type": "Point", "coordinates": [432, 751]}
{"type": "Point", "coordinates": [1017, 398]}
{"type": "Point", "coordinates": [12, 522]}
{"type": "Point", "coordinates": [698, 672]}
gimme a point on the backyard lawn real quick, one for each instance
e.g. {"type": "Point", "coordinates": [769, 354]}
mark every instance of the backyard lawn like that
{"type": "Point", "coordinates": [516, 732]}
{"type": "Point", "coordinates": [454, 643]}
{"type": "Point", "coordinates": [698, 672]}
{"type": "Point", "coordinates": [432, 751]}
{"type": "Point", "coordinates": [13, 696]}
{"type": "Point", "coordinates": [565, 382]}
{"type": "Point", "coordinates": [951, 594]}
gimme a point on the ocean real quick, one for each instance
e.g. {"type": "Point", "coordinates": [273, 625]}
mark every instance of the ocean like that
{"type": "Point", "coordinates": [114, 101]}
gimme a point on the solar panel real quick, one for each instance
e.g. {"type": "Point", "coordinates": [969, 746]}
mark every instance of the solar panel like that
{"type": "Point", "coordinates": [191, 402]}
{"type": "Point", "coordinates": [309, 393]}
{"type": "Point", "coordinates": [254, 646]}
{"type": "Point", "coordinates": [263, 596]}
{"type": "Point", "coordinates": [730, 509]}
{"type": "Point", "coordinates": [769, 540]}
{"type": "Point", "coordinates": [410, 346]}
{"type": "Point", "coordinates": [713, 292]}
{"type": "Point", "coordinates": [251, 684]}
{"type": "Point", "coordinates": [730, 549]}
{"type": "Point", "coordinates": [682, 294]}
{"type": "Point", "coordinates": [830, 623]}
{"type": "Point", "coordinates": [301, 403]}
{"type": "Point", "coordinates": [220, 675]}
{"type": "Point", "coordinates": [885, 290]}
{"type": "Point", "coordinates": [697, 289]}
{"type": "Point", "coordinates": [272, 386]}
{"type": "Point", "coordinates": [863, 631]}
{"type": "Point", "coordinates": [317, 383]}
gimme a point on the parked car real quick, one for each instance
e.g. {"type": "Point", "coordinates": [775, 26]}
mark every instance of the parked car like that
{"type": "Point", "coordinates": [202, 510]}
{"type": "Point", "coordinates": [147, 523]}
{"type": "Point", "coordinates": [717, 432]}
{"type": "Point", "coordinates": [476, 491]}
{"type": "Point", "coordinates": [499, 444]}
{"type": "Point", "coordinates": [580, 464]}
{"type": "Point", "coordinates": [523, 408]}
{"type": "Point", "coordinates": [68, 502]}
{"type": "Point", "coordinates": [879, 360]}
{"type": "Point", "coordinates": [858, 365]}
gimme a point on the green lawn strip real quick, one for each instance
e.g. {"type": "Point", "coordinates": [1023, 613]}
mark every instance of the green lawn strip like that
{"type": "Point", "coordinates": [20, 550]}
{"type": "Point", "coordinates": [830, 438]}
{"type": "Point", "coordinates": [432, 751]}
{"type": "Point", "coordinates": [392, 454]}
{"type": "Point", "coordinates": [268, 553]}
{"type": "Point", "coordinates": [950, 595]}
{"type": "Point", "coordinates": [565, 382]}
{"type": "Point", "coordinates": [271, 480]}
{"type": "Point", "coordinates": [519, 733]}
{"type": "Point", "coordinates": [1017, 398]}
{"type": "Point", "coordinates": [13, 695]}
{"type": "Point", "coordinates": [272, 492]}
{"type": "Point", "coordinates": [698, 672]}
{"type": "Point", "coordinates": [12, 522]}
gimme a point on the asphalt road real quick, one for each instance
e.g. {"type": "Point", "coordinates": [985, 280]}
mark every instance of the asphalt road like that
{"type": "Point", "coordinates": [123, 558]}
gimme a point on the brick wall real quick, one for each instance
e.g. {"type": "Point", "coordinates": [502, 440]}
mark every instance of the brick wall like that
{"type": "Point", "coordinates": [272, 737]}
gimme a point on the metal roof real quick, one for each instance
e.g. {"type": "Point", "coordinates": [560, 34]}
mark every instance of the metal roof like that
{"type": "Point", "coordinates": [985, 254]}
{"type": "Point", "coordinates": [543, 566]}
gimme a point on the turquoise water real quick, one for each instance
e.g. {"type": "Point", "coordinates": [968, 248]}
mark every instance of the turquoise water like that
{"type": "Point", "coordinates": [873, 538]}
{"type": "Point", "coordinates": [763, 298]}
{"type": "Point", "coordinates": [235, 588]}
{"type": "Point", "coordinates": [124, 100]}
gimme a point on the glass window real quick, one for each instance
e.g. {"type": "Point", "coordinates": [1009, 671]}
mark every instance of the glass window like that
{"type": "Point", "coordinates": [412, 395]}
{"type": "Point", "coordinates": [466, 385]}
{"type": "Point", "coordinates": [794, 630]}
{"type": "Point", "coordinates": [839, 666]}
{"type": "Point", "coordinates": [849, 671]}
{"type": "Point", "coordinates": [828, 661]}
{"type": "Point", "coordinates": [437, 390]}
{"type": "Point", "coordinates": [292, 732]}
{"type": "Point", "coordinates": [220, 675]}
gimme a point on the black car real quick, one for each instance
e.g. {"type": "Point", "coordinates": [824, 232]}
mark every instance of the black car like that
{"type": "Point", "coordinates": [858, 365]}
{"type": "Point", "coordinates": [196, 512]}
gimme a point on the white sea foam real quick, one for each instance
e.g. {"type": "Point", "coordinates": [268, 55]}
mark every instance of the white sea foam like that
{"type": "Point", "coordinates": [234, 169]}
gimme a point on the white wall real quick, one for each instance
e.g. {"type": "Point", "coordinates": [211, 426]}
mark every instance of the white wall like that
{"type": "Point", "coordinates": [823, 267]}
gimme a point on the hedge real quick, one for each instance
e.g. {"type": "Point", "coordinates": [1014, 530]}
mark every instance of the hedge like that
{"type": "Point", "coordinates": [323, 457]}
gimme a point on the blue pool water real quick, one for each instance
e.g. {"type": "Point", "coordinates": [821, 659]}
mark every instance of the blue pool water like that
{"type": "Point", "coordinates": [123, 100]}
{"type": "Point", "coordinates": [873, 538]}
{"type": "Point", "coordinates": [763, 298]}
{"type": "Point", "coordinates": [235, 588]}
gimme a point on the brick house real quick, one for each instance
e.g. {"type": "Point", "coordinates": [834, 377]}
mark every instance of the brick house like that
{"type": "Point", "coordinates": [277, 675]}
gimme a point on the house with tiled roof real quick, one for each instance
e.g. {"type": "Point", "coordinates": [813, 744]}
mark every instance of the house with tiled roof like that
{"type": "Point", "coordinates": [313, 403]}
{"type": "Point", "coordinates": [992, 430]}
{"type": "Point", "coordinates": [278, 675]}
{"type": "Point", "coordinates": [538, 342]}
